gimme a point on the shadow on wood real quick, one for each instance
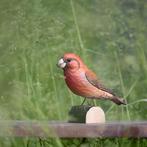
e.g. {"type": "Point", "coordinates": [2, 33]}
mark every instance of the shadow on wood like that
{"type": "Point", "coordinates": [77, 114]}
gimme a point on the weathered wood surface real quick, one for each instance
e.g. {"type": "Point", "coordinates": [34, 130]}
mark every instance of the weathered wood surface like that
{"type": "Point", "coordinates": [72, 130]}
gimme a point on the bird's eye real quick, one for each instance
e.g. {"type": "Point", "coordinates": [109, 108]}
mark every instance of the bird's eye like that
{"type": "Point", "coordinates": [68, 60]}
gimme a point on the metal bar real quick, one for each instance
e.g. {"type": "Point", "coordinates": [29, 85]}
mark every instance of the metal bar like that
{"type": "Point", "coordinates": [72, 130]}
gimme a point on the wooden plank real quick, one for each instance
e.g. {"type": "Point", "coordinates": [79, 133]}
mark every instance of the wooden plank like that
{"type": "Point", "coordinates": [72, 130]}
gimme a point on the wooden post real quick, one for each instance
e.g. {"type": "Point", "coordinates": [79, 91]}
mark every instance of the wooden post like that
{"type": "Point", "coordinates": [95, 115]}
{"type": "Point", "coordinates": [86, 114]}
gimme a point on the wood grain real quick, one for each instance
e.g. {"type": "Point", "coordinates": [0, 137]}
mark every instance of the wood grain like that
{"type": "Point", "coordinates": [72, 130]}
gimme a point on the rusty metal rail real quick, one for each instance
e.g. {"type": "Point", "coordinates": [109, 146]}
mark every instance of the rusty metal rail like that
{"type": "Point", "coordinates": [72, 130]}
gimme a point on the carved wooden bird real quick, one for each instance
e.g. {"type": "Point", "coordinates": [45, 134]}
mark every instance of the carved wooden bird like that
{"type": "Point", "coordinates": [84, 82]}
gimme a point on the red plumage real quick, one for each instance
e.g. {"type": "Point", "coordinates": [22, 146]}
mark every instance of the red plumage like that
{"type": "Point", "coordinates": [82, 81]}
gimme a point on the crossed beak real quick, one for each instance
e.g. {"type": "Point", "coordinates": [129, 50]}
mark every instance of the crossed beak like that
{"type": "Point", "coordinates": [61, 63]}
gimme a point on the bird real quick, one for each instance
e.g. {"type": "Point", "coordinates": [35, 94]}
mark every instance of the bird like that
{"type": "Point", "coordinates": [84, 82]}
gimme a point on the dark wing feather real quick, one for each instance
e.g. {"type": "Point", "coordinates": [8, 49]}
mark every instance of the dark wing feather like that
{"type": "Point", "coordinates": [92, 78]}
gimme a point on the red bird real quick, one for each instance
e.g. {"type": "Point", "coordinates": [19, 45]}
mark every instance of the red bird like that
{"type": "Point", "coordinates": [83, 82]}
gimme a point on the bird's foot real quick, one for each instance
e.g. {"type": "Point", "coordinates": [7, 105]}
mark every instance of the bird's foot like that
{"type": "Point", "coordinates": [83, 101]}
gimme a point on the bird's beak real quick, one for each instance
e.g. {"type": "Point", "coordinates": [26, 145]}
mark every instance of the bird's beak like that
{"type": "Point", "coordinates": [61, 63]}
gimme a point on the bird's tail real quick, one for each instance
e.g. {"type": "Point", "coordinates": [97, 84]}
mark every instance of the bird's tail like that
{"type": "Point", "coordinates": [118, 100]}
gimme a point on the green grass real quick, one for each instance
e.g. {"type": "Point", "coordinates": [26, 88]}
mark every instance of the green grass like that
{"type": "Point", "coordinates": [110, 36]}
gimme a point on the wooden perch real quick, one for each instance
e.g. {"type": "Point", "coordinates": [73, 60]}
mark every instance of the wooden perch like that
{"type": "Point", "coordinates": [95, 115]}
{"type": "Point", "coordinates": [71, 130]}
{"type": "Point", "coordinates": [86, 114]}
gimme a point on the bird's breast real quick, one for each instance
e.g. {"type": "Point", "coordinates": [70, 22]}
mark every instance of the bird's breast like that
{"type": "Point", "coordinates": [79, 85]}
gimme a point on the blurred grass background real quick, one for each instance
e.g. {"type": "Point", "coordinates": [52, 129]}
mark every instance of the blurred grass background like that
{"type": "Point", "coordinates": [110, 36]}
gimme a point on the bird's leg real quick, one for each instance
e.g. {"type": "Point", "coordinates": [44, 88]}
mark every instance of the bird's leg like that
{"type": "Point", "coordinates": [94, 102]}
{"type": "Point", "coordinates": [83, 101]}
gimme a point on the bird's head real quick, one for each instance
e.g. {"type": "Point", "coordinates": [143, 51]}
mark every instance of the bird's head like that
{"type": "Point", "coordinates": [70, 61]}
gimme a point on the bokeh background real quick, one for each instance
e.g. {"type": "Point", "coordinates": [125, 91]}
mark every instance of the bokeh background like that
{"type": "Point", "coordinates": [109, 35]}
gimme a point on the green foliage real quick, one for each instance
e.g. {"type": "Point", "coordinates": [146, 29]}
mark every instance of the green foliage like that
{"type": "Point", "coordinates": [110, 36]}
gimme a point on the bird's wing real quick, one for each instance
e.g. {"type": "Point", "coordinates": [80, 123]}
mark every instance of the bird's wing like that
{"type": "Point", "coordinates": [92, 78]}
